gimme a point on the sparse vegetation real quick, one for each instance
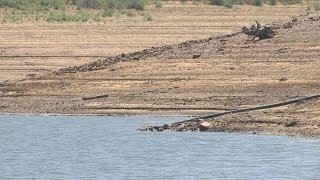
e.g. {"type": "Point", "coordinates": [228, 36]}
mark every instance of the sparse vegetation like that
{"type": "Point", "coordinates": [228, 3]}
{"type": "Point", "coordinates": [148, 17]}
{"type": "Point", "coordinates": [316, 6]}
{"type": "Point", "coordinates": [256, 2]}
{"type": "Point", "coordinates": [273, 2]}
{"type": "Point", "coordinates": [290, 2]}
{"type": "Point", "coordinates": [129, 13]}
{"type": "Point", "coordinates": [63, 16]}
{"type": "Point", "coordinates": [216, 2]}
{"type": "Point", "coordinates": [12, 18]}
{"type": "Point", "coordinates": [107, 13]}
{"type": "Point", "coordinates": [225, 3]}
{"type": "Point", "coordinates": [61, 4]}
{"type": "Point", "coordinates": [67, 10]}
{"type": "Point", "coordinates": [97, 10]}
{"type": "Point", "coordinates": [158, 3]}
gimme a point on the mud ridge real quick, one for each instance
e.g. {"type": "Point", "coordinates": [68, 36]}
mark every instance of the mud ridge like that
{"type": "Point", "coordinates": [138, 55]}
{"type": "Point", "coordinates": [157, 51]}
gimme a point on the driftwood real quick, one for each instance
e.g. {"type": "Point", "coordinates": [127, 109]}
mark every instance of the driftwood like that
{"type": "Point", "coordinates": [201, 122]}
{"type": "Point", "coordinates": [268, 106]}
{"type": "Point", "coordinates": [95, 97]}
{"type": "Point", "coordinates": [258, 31]}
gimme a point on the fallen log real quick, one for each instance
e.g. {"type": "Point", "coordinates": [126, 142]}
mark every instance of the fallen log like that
{"type": "Point", "coordinates": [268, 106]}
{"type": "Point", "coordinates": [200, 123]}
{"type": "Point", "coordinates": [259, 31]}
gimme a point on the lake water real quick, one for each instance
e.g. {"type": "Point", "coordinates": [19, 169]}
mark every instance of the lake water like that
{"type": "Point", "coordinates": [48, 147]}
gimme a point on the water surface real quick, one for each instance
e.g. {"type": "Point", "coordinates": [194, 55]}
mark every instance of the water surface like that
{"type": "Point", "coordinates": [53, 147]}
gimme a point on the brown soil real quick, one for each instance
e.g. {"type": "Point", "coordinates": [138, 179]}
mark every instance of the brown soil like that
{"type": "Point", "coordinates": [29, 48]}
{"type": "Point", "coordinates": [195, 77]}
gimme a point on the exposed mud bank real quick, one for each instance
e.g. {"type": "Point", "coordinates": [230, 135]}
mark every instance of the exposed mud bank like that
{"type": "Point", "coordinates": [240, 121]}
{"type": "Point", "coordinates": [199, 77]}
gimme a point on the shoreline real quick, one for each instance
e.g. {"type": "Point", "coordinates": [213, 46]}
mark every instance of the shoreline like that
{"type": "Point", "coordinates": [98, 115]}
{"type": "Point", "coordinates": [296, 136]}
{"type": "Point", "coordinates": [238, 123]}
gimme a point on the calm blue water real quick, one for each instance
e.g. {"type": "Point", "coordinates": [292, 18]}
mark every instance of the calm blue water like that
{"type": "Point", "coordinates": [111, 148]}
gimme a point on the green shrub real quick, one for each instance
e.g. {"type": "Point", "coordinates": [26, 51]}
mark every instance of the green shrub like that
{"type": "Point", "coordinates": [256, 2]}
{"type": "Point", "coordinates": [137, 4]}
{"type": "Point", "coordinates": [13, 18]}
{"type": "Point", "coordinates": [129, 13]}
{"type": "Point", "coordinates": [94, 4]}
{"type": "Point", "coordinates": [107, 13]}
{"type": "Point", "coordinates": [273, 2]}
{"type": "Point", "coordinates": [55, 4]}
{"type": "Point", "coordinates": [17, 4]}
{"type": "Point", "coordinates": [240, 2]}
{"type": "Point", "coordinates": [148, 17]}
{"type": "Point", "coordinates": [111, 4]}
{"type": "Point", "coordinates": [82, 17]}
{"type": "Point", "coordinates": [63, 16]}
{"type": "Point", "coordinates": [158, 3]}
{"type": "Point", "coordinates": [97, 17]}
{"type": "Point", "coordinates": [228, 3]}
{"type": "Point", "coordinates": [316, 6]}
{"type": "Point", "coordinates": [216, 2]}
{"type": "Point", "coordinates": [60, 4]}
{"type": "Point", "coordinates": [290, 2]}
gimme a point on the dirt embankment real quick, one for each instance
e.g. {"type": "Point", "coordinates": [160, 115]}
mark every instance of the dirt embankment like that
{"type": "Point", "coordinates": [196, 77]}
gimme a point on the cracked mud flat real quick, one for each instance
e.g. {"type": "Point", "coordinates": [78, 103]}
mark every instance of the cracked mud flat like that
{"type": "Point", "coordinates": [196, 77]}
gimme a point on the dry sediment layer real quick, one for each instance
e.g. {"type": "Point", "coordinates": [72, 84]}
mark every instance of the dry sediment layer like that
{"type": "Point", "coordinates": [196, 77]}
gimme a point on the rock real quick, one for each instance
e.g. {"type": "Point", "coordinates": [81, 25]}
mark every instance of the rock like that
{"type": "Point", "coordinates": [294, 20]}
{"type": "Point", "coordinates": [288, 25]}
{"type": "Point", "coordinates": [290, 123]}
{"type": "Point", "coordinates": [165, 127]}
{"type": "Point", "coordinates": [265, 33]}
{"type": "Point", "coordinates": [258, 31]}
{"type": "Point", "coordinates": [195, 56]}
{"type": "Point", "coordinates": [282, 50]}
{"type": "Point", "coordinates": [30, 76]}
{"type": "Point", "coordinates": [204, 126]}
{"type": "Point", "coordinates": [312, 18]}
{"type": "Point", "coordinates": [157, 128]}
{"type": "Point", "coordinates": [145, 128]}
{"type": "Point", "coordinates": [282, 79]}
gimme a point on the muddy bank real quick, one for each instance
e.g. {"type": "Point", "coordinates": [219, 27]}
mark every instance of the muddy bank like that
{"type": "Point", "coordinates": [254, 120]}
